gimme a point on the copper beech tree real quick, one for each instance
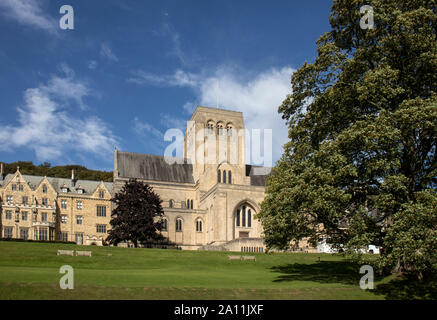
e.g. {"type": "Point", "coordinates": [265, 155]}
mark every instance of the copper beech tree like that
{"type": "Point", "coordinates": [137, 215]}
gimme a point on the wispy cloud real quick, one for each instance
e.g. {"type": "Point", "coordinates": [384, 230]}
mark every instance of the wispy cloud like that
{"type": "Point", "coordinates": [29, 13]}
{"type": "Point", "coordinates": [48, 125]}
{"type": "Point", "coordinates": [106, 52]}
{"type": "Point", "coordinates": [92, 64]}
{"type": "Point", "coordinates": [258, 96]}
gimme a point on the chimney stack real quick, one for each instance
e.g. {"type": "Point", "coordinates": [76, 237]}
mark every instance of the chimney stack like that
{"type": "Point", "coordinates": [73, 180]}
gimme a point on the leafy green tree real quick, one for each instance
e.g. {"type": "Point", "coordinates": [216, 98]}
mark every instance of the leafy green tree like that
{"type": "Point", "coordinates": [360, 167]}
{"type": "Point", "coordinates": [137, 214]}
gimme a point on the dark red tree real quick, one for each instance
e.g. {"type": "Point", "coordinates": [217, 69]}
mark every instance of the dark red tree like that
{"type": "Point", "coordinates": [137, 215]}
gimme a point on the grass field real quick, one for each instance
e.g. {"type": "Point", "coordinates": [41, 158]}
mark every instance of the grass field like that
{"type": "Point", "coordinates": [31, 271]}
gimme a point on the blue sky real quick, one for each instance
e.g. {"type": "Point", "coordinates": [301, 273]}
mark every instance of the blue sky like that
{"type": "Point", "coordinates": [130, 70]}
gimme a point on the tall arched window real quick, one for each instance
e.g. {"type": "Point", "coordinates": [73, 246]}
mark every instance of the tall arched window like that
{"type": "Point", "coordinates": [219, 176]}
{"type": "Point", "coordinates": [229, 129]}
{"type": "Point", "coordinates": [210, 127]}
{"type": "Point", "coordinates": [164, 224]}
{"type": "Point", "coordinates": [188, 204]}
{"type": "Point", "coordinates": [192, 207]}
{"type": "Point", "coordinates": [229, 176]}
{"type": "Point", "coordinates": [224, 176]}
{"type": "Point", "coordinates": [199, 225]}
{"type": "Point", "coordinates": [219, 129]}
{"type": "Point", "coordinates": [179, 225]}
{"type": "Point", "coordinates": [243, 217]}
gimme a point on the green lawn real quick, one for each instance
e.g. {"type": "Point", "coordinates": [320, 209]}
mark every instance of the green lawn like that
{"type": "Point", "coordinates": [31, 271]}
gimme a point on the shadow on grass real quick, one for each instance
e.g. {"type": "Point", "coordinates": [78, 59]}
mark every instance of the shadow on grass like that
{"type": "Point", "coordinates": [408, 289]}
{"type": "Point", "coordinates": [344, 272]}
{"type": "Point", "coordinates": [323, 272]}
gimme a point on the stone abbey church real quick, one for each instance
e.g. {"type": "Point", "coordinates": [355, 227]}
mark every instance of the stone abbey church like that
{"type": "Point", "coordinates": [210, 197]}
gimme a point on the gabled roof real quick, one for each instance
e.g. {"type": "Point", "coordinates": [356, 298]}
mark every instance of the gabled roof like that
{"type": "Point", "coordinates": [57, 183]}
{"type": "Point", "coordinates": [152, 167]}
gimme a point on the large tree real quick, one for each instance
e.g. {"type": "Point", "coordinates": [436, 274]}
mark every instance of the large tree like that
{"type": "Point", "coordinates": [137, 214]}
{"type": "Point", "coordinates": [360, 166]}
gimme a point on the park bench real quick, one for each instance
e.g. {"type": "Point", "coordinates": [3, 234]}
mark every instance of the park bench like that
{"type": "Point", "coordinates": [83, 253]}
{"type": "Point", "coordinates": [65, 252]}
{"type": "Point", "coordinates": [248, 258]}
{"type": "Point", "coordinates": [234, 257]}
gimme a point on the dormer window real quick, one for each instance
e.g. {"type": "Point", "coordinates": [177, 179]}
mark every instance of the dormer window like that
{"type": "Point", "coordinates": [101, 194]}
{"type": "Point", "coordinates": [79, 189]}
{"type": "Point", "coordinates": [44, 188]}
{"type": "Point", "coordinates": [64, 189]}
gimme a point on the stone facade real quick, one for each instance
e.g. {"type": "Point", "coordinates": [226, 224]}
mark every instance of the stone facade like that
{"type": "Point", "coordinates": [210, 196]}
{"type": "Point", "coordinates": [47, 208]}
{"type": "Point", "coordinates": [211, 199]}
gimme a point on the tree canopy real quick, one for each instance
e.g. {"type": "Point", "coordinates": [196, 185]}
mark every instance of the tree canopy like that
{"type": "Point", "coordinates": [46, 169]}
{"type": "Point", "coordinates": [360, 166]}
{"type": "Point", "coordinates": [137, 215]}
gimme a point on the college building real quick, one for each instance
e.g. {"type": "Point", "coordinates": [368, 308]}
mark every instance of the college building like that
{"type": "Point", "coordinates": [210, 195]}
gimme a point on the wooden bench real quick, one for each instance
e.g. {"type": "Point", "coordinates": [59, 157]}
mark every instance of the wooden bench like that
{"type": "Point", "coordinates": [234, 257]}
{"type": "Point", "coordinates": [83, 253]}
{"type": "Point", "coordinates": [248, 258]}
{"type": "Point", "coordinates": [66, 252]}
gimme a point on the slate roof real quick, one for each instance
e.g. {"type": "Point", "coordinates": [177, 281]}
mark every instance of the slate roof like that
{"type": "Point", "coordinates": [153, 167]}
{"type": "Point", "coordinates": [88, 186]}
{"type": "Point", "coordinates": [257, 179]}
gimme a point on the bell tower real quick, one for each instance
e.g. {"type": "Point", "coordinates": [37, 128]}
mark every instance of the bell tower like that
{"type": "Point", "coordinates": [214, 138]}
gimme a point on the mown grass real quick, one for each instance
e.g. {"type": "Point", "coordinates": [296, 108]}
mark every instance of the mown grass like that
{"type": "Point", "coordinates": [31, 271]}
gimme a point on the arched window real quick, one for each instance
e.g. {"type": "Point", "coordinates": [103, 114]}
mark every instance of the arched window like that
{"type": "Point", "coordinates": [192, 207]}
{"type": "Point", "coordinates": [164, 224]}
{"type": "Point", "coordinates": [219, 176]}
{"type": "Point", "coordinates": [229, 176]}
{"type": "Point", "coordinates": [224, 176]}
{"type": "Point", "coordinates": [179, 225]}
{"type": "Point", "coordinates": [243, 217]}
{"type": "Point", "coordinates": [229, 130]}
{"type": "Point", "coordinates": [210, 127]}
{"type": "Point", "coordinates": [199, 225]}
{"type": "Point", "coordinates": [219, 129]}
{"type": "Point", "coordinates": [188, 204]}
{"type": "Point", "coordinates": [44, 188]}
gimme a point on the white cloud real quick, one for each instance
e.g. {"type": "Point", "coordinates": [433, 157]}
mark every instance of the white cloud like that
{"type": "Point", "coordinates": [257, 96]}
{"type": "Point", "coordinates": [92, 64]}
{"type": "Point", "coordinates": [29, 12]}
{"type": "Point", "coordinates": [47, 123]}
{"type": "Point", "coordinates": [106, 51]}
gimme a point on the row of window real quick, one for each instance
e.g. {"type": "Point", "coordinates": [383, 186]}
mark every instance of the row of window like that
{"type": "Point", "coordinates": [44, 234]}
{"type": "Point", "coordinates": [101, 212]}
{"type": "Point", "coordinates": [179, 225]}
{"type": "Point", "coordinates": [220, 129]}
{"type": "Point", "coordinates": [227, 176]}
{"type": "Point", "coordinates": [190, 203]}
